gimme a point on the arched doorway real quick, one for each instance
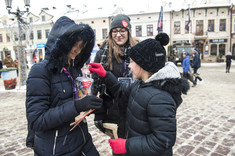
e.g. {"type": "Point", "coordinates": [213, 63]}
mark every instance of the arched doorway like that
{"type": "Point", "coordinates": [221, 50]}
{"type": "Point", "coordinates": [213, 49]}
{"type": "Point", "coordinates": [233, 50]}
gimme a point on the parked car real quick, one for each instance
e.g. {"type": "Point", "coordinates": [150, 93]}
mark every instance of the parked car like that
{"type": "Point", "coordinates": [176, 55]}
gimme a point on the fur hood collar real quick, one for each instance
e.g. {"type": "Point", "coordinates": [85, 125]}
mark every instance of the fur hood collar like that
{"type": "Point", "coordinates": [169, 79]}
{"type": "Point", "coordinates": [169, 71]}
{"type": "Point", "coordinates": [64, 34]}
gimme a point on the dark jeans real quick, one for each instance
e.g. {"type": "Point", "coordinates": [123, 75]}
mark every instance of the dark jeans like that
{"type": "Point", "coordinates": [189, 77]}
{"type": "Point", "coordinates": [196, 75]}
{"type": "Point", "coordinates": [228, 65]}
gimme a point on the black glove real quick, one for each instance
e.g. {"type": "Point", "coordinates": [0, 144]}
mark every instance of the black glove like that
{"type": "Point", "coordinates": [99, 125]}
{"type": "Point", "coordinates": [87, 103]}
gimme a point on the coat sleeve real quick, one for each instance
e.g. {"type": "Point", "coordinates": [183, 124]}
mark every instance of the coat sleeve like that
{"type": "Point", "coordinates": [119, 90]}
{"type": "Point", "coordinates": [161, 113]}
{"type": "Point", "coordinates": [40, 114]}
{"type": "Point", "coordinates": [95, 77]}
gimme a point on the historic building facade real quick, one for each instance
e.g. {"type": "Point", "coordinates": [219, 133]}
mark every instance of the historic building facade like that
{"type": "Point", "coordinates": [211, 30]}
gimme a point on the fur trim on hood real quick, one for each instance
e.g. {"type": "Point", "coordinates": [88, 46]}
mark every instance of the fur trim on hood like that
{"type": "Point", "coordinates": [169, 79]}
{"type": "Point", "coordinates": [169, 71]}
{"type": "Point", "coordinates": [64, 34]}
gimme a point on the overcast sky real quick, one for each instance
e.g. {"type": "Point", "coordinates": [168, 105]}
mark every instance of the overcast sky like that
{"type": "Point", "coordinates": [127, 5]}
{"type": "Point", "coordinates": [36, 5]}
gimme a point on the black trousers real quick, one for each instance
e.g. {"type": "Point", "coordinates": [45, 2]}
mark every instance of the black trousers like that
{"type": "Point", "coordinates": [228, 65]}
{"type": "Point", "coordinates": [197, 77]}
{"type": "Point", "coordinates": [189, 77]}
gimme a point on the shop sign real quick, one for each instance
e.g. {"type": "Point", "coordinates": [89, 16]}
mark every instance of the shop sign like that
{"type": "Point", "coordinates": [218, 40]}
{"type": "Point", "coordinates": [41, 45]}
{"type": "Point", "coordinates": [181, 41]}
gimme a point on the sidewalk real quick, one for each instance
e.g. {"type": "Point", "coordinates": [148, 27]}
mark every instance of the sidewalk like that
{"type": "Point", "coordinates": [205, 119]}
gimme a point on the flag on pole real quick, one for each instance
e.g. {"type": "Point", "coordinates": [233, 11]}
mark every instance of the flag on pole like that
{"type": "Point", "coordinates": [160, 21]}
{"type": "Point", "coordinates": [189, 20]}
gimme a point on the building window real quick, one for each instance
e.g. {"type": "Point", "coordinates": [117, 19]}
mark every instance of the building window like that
{"type": "Point", "coordinates": [233, 50]}
{"type": "Point", "coordinates": [23, 37]}
{"type": "Point", "coordinates": [234, 25]}
{"type": "Point", "coordinates": [104, 21]}
{"type": "Point", "coordinates": [190, 27]}
{"type": "Point", "coordinates": [1, 38]}
{"type": "Point", "coordinates": [104, 33]}
{"type": "Point", "coordinates": [211, 25]}
{"type": "Point", "coordinates": [177, 27]}
{"type": "Point", "coordinates": [31, 36]}
{"type": "Point", "coordinates": [150, 30]}
{"type": "Point", "coordinates": [47, 31]}
{"type": "Point", "coordinates": [221, 50]}
{"type": "Point", "coordinates": [16, 37]}
{"type": "Point", "coordinates": [39, 32]}
{"type": "Point", "coordinates": [4, 22]}
{"type": "Point", "coordinates": [8, 38]}
{"type": "Point", "coordinates": [222, 25]}
{"type": "Point", "coordinates": [138, 31]}
{"type": "Point", "coordinates": [199, 27]}
{"type": "Point", "coordinates": [43, 18]}
{"type": "Point", "coordinates": [31, 20]}
{"type": "Point", "coordinates": [214, 49]}
{"type": "Point", "coordinates": [92, 22]}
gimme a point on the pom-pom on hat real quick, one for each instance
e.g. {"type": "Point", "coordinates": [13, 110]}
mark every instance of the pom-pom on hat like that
{"type": "Point", "coordinates": [120, 20]}
{"type": "Point", "coordinates": [150, 53]}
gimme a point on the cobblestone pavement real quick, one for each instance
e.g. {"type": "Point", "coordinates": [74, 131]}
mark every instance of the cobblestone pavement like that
{"type": "Point", "coordinates": [206, 119]}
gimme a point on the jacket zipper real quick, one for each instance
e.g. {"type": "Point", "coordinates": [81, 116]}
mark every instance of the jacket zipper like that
{"type": "Point", "coordinates": [56, 134]}
{"type": "Point", "coordinates": [82, 134]}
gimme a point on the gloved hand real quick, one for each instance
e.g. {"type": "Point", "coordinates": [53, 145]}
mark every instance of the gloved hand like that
{"type": "Point", "coordinates": [118, 145]}
{"type": "Point", "coordinates": [87, 103]}
{"type": "Point", "coordinates": [97, 68]}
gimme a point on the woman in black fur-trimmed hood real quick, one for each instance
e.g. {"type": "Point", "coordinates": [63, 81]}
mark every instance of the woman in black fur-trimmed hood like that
{"type": "Point", "coordinates": [50, 100]}
{"type": "Point", "coordinates": [153, 100]}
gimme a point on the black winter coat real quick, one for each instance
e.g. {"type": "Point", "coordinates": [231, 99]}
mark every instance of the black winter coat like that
{"type": "Point", "coordinates": [50, 98]}
{"type": "Point", "coordinates": [151, 111]}
{"type": "Point", "coordinates": [110, 112]}
{"type": "Point", "coordinates": [196, 63]}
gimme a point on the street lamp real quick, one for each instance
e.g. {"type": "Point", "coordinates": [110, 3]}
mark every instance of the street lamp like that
{"type": "Point", "coordinates": [21, 53]}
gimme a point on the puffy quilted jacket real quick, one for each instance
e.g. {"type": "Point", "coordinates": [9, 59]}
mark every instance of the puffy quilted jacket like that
{"type": "Point", "coordinates": [50, 98]}
{"type": "Point", "coordinates": [151, 111]}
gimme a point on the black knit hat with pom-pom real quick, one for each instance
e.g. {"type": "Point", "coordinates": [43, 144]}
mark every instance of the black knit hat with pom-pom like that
{"type": "Point", "coordinates": [150, 53]}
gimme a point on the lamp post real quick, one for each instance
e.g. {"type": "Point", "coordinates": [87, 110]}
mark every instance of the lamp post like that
{"type": "Point", "coordinates": [21, 53]}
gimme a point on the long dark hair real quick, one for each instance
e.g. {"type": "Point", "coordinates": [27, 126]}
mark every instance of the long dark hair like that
{"type": "Point", "coordinates": [116, 51]}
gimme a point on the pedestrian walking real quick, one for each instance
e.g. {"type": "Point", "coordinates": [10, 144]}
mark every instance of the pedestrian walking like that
{"type": "Point", "coordinates": [187, 73]}
{"type": "Point", "coordinates": [196, 64]}
{"type": "Point", "coordinates": [113, 56]}
{"type": "Point", "coordinates": [152, 99]}
{"type": "Point", "coordinates": [51, 91]}
{"type": "Point", "coordinates": [8, 61]}
{"type": "Point", "coordinates": [228, 61]}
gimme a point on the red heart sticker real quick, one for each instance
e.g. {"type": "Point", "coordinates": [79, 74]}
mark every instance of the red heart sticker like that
{"type": "Point", "coordinates": [124, 23]}
{"type": "Point", "coordinates": [86, 84]}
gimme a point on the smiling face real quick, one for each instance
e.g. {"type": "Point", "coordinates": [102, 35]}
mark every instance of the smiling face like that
{"type": "Point", "coordinates": [76, 49]}
{"type": "Point", "coordinates": [120, 36]}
